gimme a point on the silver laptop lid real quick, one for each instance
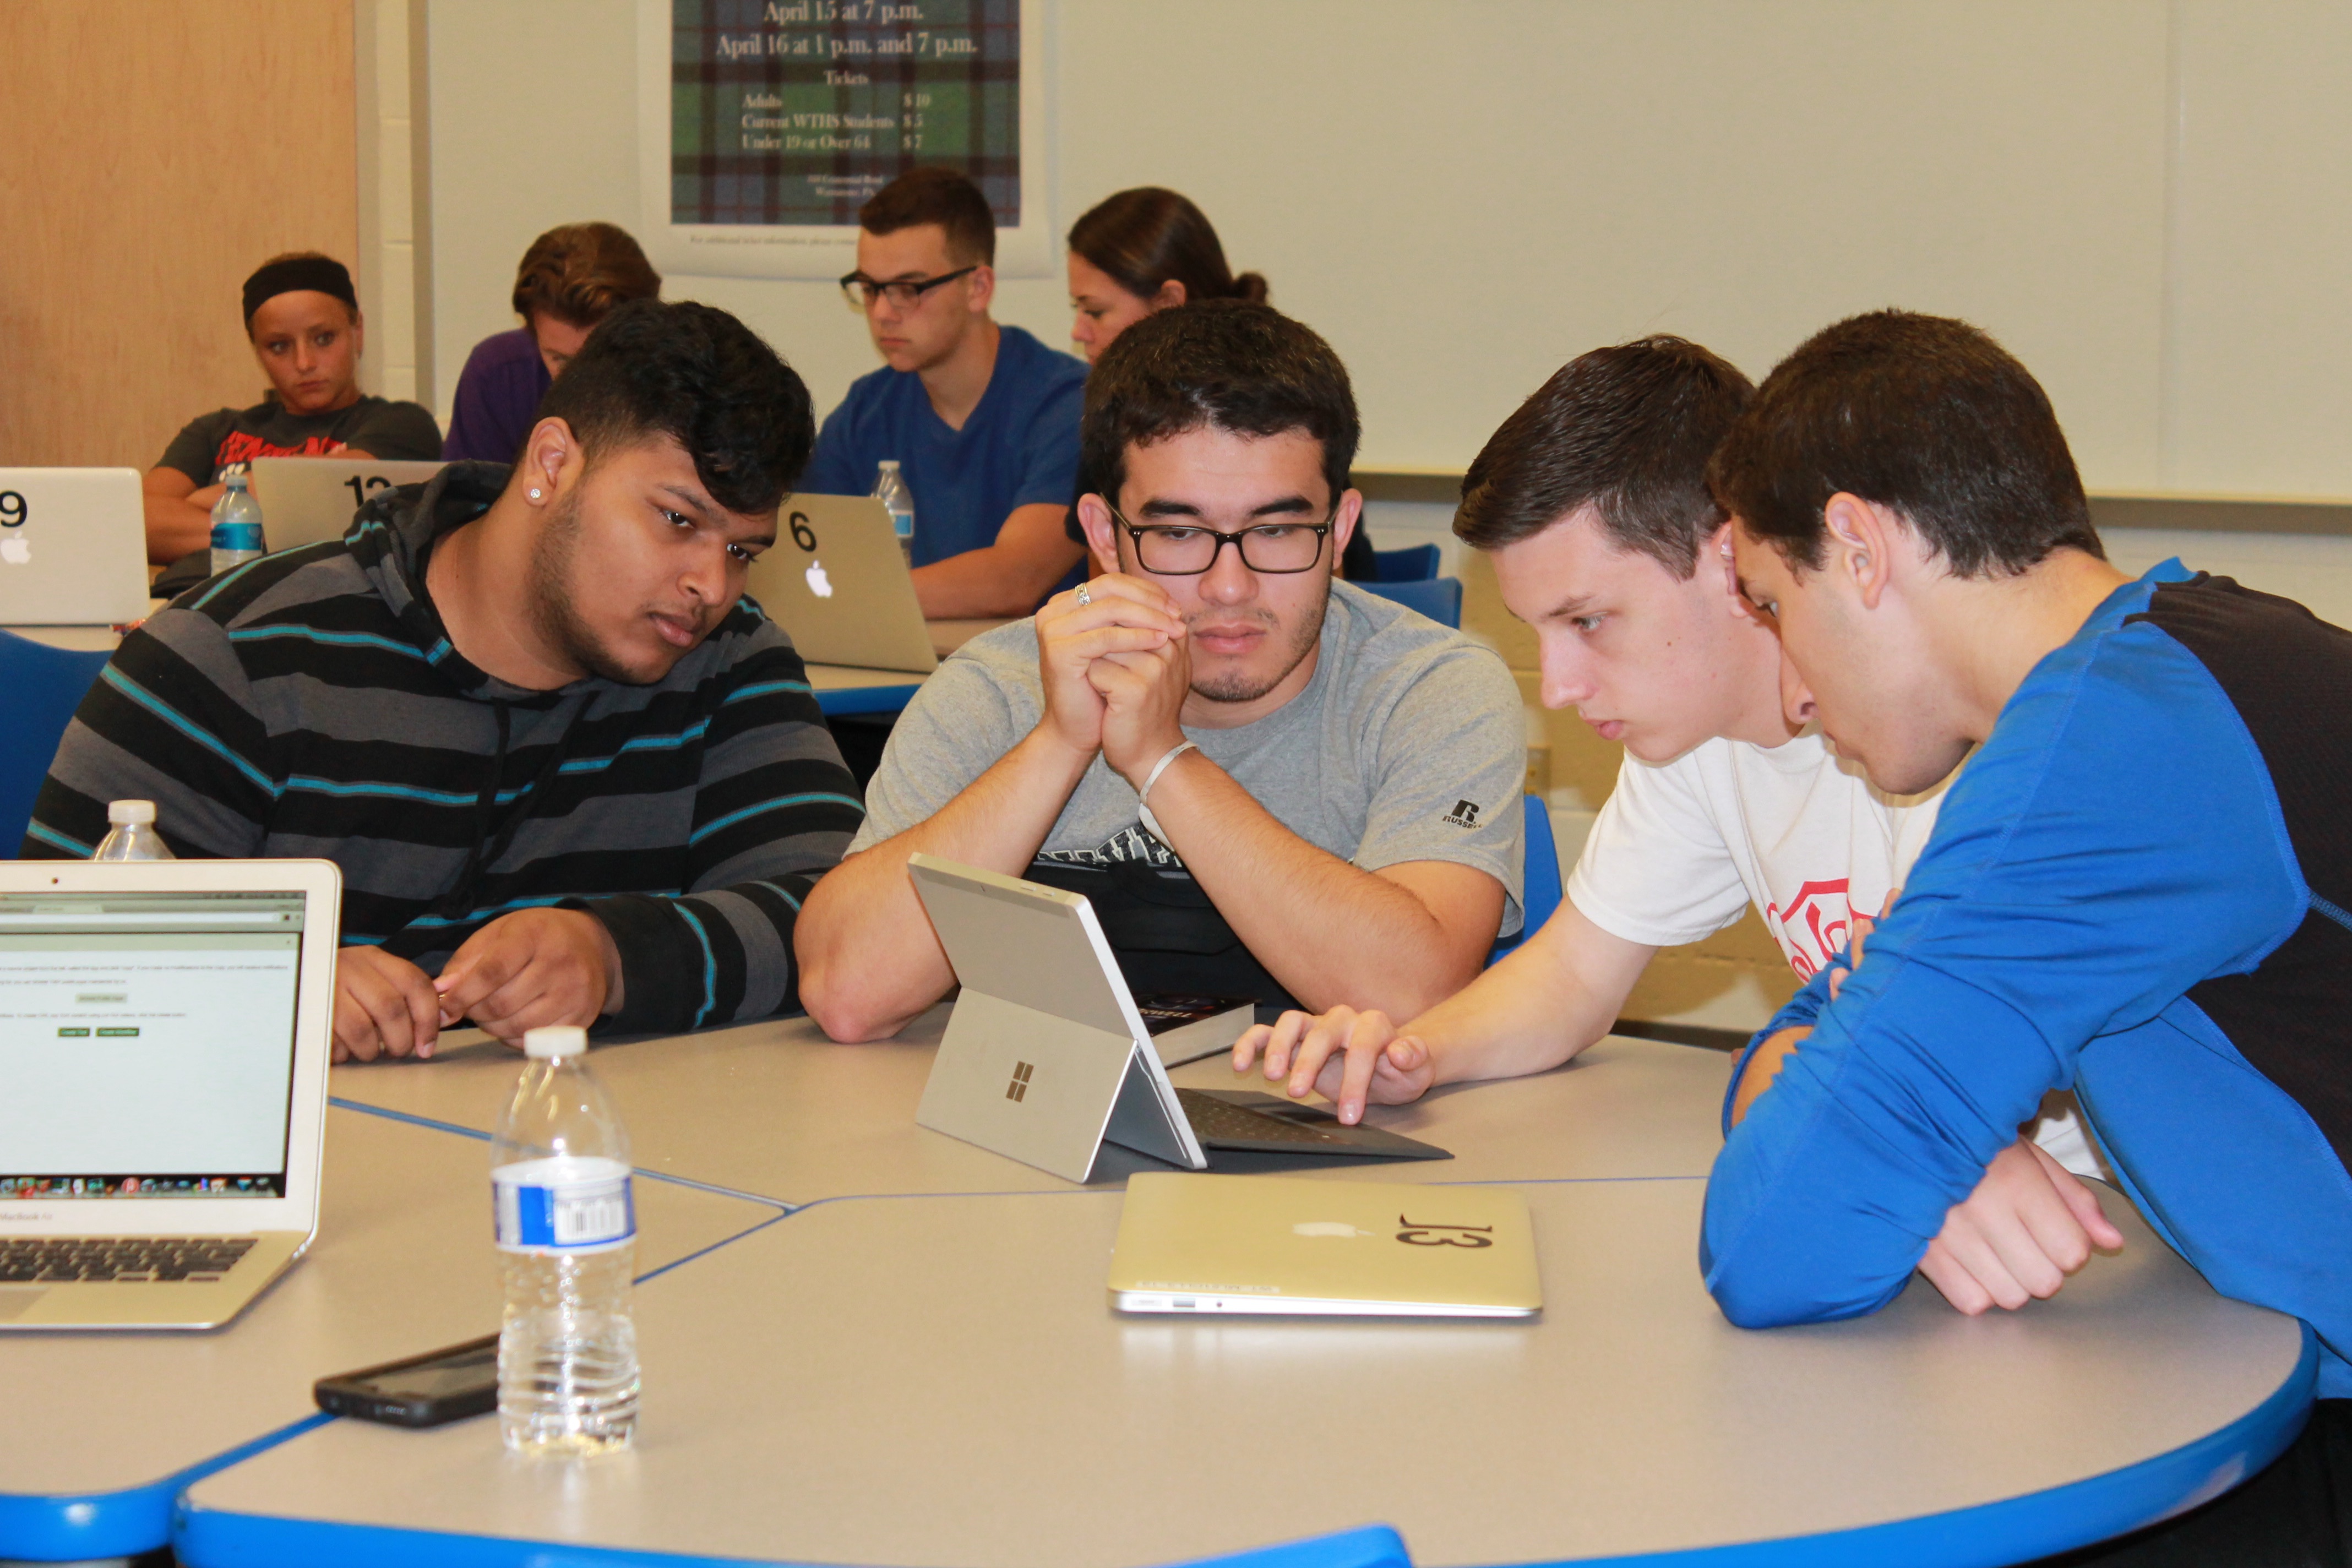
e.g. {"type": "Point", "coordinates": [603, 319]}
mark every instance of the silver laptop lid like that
{"type": "Point", "coordinates": [73, 547]}
{"type": "Point", "coordinates": [304, 501]}
{"type": "Point", "coordinates": [164, 1031]}
{"type": "Point", "coordinates": [838, 583]}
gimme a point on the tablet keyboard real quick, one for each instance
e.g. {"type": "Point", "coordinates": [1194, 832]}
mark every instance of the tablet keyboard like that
{"type": "Point", "coordinates": [1215, 1119]}
{"type": "Point", "coordinates": [56, 1260]}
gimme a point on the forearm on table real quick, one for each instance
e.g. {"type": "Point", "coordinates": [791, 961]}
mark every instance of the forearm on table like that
{"type": "Point", "coordinates": [1009, 577]}
{"type": "Point", "coordinates": [175, 525]}
{"type": "Point", "coordinates": [1328, 931]}
{"type": "Point", "coordinates": [868, 958]}
{"type": "Point", "coordinates": [1553, 996]}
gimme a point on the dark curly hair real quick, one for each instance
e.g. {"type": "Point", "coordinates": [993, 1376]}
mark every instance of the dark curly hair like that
{"type": "Point", "coordinates": [705, 379]}
{"type": "Point", "coordinates": [1222, 364]}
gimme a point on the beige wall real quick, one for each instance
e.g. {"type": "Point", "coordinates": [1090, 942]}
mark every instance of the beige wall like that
{"type": "Point", "coordinates": [155, 151]}
{"type": "Point", "coordinates": [2142, 197]}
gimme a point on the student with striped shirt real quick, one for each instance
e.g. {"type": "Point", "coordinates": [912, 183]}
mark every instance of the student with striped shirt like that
{"type": "Point", "coordinates": [567, 772]}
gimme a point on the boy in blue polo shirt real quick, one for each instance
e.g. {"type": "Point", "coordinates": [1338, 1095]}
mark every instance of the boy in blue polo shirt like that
{"type": "Point", "coordinates": [2138, 888]}
{"type": "Point", "coordinates": [982, 420]}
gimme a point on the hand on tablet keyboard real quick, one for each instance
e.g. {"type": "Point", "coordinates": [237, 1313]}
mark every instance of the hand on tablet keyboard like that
{"type": "Point", "coordinates": [1351, 1058]}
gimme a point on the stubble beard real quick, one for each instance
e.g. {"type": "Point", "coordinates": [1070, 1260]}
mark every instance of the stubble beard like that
{"type": "Point", "coordinates": [551, 612]}
{"type": "Point", "coordinates": [1237, 686]}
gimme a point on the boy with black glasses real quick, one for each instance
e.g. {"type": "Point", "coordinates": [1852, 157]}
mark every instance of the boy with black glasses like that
{"type": "Point", "coordinates": [1270, 783]}
{"type": "Point", "coordinates": [982, 419]}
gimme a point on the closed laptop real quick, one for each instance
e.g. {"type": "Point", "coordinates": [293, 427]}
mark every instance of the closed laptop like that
{"type": "Point", "coordinates": [73, 547]}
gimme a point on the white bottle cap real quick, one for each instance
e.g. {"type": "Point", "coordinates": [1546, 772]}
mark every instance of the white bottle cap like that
{"type": "Point", "coordinates": [554, 1041]}
{"type": "Point", "coordinates": [123, 811]}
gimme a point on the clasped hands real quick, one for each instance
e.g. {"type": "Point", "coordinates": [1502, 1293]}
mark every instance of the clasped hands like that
{"type": "Point", "coordinates": [522, 971]}
{"type": "Point", "coordinates": [1115, 671]}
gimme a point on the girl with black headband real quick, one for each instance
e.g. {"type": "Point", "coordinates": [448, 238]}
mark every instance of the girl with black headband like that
{"type": "Point", "coordinates": [303, 320]}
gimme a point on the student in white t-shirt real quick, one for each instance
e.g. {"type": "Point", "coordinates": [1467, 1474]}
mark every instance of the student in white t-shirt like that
{"type": "Point", "coordinates": [1591, 502]}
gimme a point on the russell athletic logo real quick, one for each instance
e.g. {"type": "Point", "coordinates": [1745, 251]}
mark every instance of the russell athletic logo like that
{"type": "Point", "coordinates": [1465, 814]}
{"type": "Point", "coordinates": [1018, 1090]}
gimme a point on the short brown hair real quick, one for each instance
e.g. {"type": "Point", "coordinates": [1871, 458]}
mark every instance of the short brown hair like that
{"type": "Point", "coordinates": [935, 195]}
{"type": "Point", "coordinates": [1923, 414]}
{"type": "Point", "coordinates": [1626, 430]}
{"type": "Point", "coordinates": [579, 272]}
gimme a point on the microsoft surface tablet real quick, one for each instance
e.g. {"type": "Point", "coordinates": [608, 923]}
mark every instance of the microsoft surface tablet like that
{"type": "Point", "coordinates": [306, 500]}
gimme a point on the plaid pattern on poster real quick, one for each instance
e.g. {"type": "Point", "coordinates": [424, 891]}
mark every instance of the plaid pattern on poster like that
{"type": "Point", "coordinates": [794, 112]}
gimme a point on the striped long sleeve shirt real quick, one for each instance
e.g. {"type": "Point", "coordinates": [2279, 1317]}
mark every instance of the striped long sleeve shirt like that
{"type": "Point", "coordinates": [310, 704]}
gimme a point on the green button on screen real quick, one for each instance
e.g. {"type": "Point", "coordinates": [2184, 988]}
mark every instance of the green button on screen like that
{"type": "Point", "coordinates": [118, 1034]}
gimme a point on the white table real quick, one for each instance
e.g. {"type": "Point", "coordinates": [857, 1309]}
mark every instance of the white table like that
{"type": "Point", "coordinates": [935, 1381]}
{"type": "Point", "coordinates": [98, 1431]}
{"type": "Point", "coordinates": [777, 1111]}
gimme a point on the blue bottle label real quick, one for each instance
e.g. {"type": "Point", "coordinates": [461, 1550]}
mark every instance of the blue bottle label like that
{"type": "Point", "coordinates": [237, 536]}
{"type": "Point", "coordinates": [561, 1205]}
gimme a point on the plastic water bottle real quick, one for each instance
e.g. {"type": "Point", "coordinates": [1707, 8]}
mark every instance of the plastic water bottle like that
{"type": "Point", "coordinates": [891, 490]}
{"type": "Point", "coordinates": [132, 834]}
{"type": "Point", "coordinates": [236, 526]}
{"type": "Point", "coordinates": [567, 1225]}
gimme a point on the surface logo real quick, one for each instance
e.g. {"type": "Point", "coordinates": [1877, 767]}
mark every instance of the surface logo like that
{"type": "Point", "coordinates": [1465, 814]}
{"type": "Point", "coordinates": [1018, 1090]}
{"type": "Point", "coordinates": [819, 583]}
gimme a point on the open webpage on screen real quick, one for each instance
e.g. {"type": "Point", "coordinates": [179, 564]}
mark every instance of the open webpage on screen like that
{"type": "Point", "coordinates": [133, 1048]}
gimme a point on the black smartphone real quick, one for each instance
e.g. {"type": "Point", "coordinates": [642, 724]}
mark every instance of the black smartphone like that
{"type": "Point", "coordinates": [426, 1389]}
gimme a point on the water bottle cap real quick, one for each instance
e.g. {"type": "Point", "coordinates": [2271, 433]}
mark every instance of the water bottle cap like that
{"type": "Point", "coordinates": [556, 1040]}
{"type": "Point", "coordinates": [235, 481]}
{"type": "Point", "coordinates": [889, 465]}
{"type": "Point", "coordinates": [121, 811]}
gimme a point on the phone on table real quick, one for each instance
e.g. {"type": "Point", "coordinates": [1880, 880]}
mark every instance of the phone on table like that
{"type": "Point", "coordinates": [447, 1384]}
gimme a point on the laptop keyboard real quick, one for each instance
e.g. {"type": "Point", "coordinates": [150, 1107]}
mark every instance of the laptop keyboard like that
{"type": "Point", "coordinates": [56, 1260]}
{"type": "Point", "coordinates": [1213, 1118]}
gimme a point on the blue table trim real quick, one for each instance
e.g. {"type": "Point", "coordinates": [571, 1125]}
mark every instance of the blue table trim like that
{"type": "Point", "coordinates": [204, 1538]}
{"type": "Point", "coordinates": [2017, 1530]}
{"type": "Point", "coordinates": [843, 701]}
{"type": "Point", "coordinates": [72, 1527]}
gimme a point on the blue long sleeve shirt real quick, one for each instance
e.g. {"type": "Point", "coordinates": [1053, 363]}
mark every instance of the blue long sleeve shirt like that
{"type": "Point", "coordinates": [2137, 890]}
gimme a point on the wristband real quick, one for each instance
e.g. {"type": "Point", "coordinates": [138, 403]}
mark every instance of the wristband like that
{"type": "Point", "coordinates": [1151, 822]}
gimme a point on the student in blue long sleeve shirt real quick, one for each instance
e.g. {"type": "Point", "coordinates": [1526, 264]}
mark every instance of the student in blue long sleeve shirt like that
{"type": "Point", "coordinates": [2139, 887]}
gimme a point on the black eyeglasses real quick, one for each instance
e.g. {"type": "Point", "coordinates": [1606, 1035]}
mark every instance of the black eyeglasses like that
{"type": "Point", "coordinates": [861, 292]}
{"type": "Point", "coordinates": [1187, 549]}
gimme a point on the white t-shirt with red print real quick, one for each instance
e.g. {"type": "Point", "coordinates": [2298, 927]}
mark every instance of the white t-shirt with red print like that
{"type": "Point", "coordinates": [1681, 848]}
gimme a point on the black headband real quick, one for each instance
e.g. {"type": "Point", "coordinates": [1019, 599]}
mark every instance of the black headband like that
{"type": "Point", "coordinates": [318, 274]}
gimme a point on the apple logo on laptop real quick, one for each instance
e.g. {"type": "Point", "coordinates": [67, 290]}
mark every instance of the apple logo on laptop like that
{"type": "Point", "coordinates": [15, 550]}
{"type": "Point", "coordinates": [819, 583]}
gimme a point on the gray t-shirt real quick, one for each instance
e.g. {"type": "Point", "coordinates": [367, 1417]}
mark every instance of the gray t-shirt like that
{"type": "Point", "coordinates": [1408, 744]}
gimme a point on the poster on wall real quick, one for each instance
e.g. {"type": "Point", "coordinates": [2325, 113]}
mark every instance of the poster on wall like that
{"type": "Point", "coordinates": [764, 125]}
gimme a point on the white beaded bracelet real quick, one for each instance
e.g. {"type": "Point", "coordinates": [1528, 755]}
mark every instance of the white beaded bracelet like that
{"type": "Point", "coordinates": [1151, 822]}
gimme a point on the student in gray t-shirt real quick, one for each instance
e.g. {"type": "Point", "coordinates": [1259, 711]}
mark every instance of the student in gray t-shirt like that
{"type": "Point", "coordinates": [1271, 784]}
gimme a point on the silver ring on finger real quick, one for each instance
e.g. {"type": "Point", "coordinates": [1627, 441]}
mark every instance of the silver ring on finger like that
{"type": "Point", "coordinates": [1085, 596]}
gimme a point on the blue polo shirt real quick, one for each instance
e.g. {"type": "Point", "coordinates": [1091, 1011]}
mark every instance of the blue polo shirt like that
{"type": "Point", "coordinates": [1019, 448]}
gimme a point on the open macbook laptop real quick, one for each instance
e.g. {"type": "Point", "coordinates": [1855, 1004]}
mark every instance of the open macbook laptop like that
{"type": "Point", "coordinates": [836, 581]}
{"type": "Point", "coordinates": [1047, 1057]}
{"type": "Point", "coordinates": [306, 500]}
{"type": "Point", "coordinates": [1211, 1245]}
{"type": "Point", "coordinates": [73, 547]}
{"type": "Point", "coordinates": [165, 1031]}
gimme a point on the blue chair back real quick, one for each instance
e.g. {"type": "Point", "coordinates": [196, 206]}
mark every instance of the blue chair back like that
{"type": "Point", "coordinates": [1439, 598]}
{"type": "Point", "coordinates": [1539, 894]}
{"type": "Point", "coordinates": [1372, 1546]}
{"type": "Point", "coordinates": [40, 686]}
{"type": "Point", "coordinates": [1414, 563]}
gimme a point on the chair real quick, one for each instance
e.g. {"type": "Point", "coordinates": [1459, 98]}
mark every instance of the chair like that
{"type": "Point", "coordinates": [1369, 1546]}
{"type": "Point", "coordinates": [1439, 598]}
{"type": "Point", "coordinates": [1414, 563]}
{"type": "Point", "coordinates": [1540, 892]}
{"type": "Point", "coordinates": [40, 686]}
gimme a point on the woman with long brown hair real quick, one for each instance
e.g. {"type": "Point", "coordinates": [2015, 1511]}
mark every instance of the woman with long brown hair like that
{"type": "Point", "coordinates": [1144, 250]}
